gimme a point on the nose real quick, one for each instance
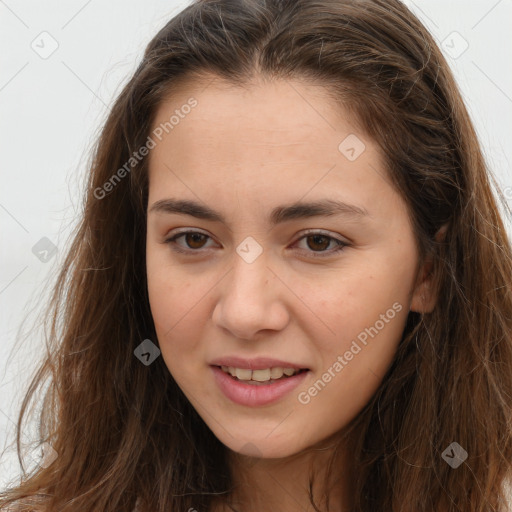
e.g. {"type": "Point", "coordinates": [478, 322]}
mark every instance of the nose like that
{"type": "Point", "coordinates": [251, 300]}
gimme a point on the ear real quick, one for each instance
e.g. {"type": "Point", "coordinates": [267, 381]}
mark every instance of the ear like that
{"type": "Point", "coordinates": [424, 297]}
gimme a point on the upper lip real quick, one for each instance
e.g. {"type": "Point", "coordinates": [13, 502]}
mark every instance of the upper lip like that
{"type": "Point", "coordinates": [257, 363]}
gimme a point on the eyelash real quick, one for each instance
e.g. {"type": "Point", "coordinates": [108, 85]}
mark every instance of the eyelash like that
{"type": "Point", "coordinates": [318, 254]}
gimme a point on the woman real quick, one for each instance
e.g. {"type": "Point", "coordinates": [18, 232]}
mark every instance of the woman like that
{"type": "Point", "coordinates": [291, 285]}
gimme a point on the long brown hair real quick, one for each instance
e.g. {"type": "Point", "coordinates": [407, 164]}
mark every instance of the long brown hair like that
{"type": "Point", "coordinates": [124, 431]}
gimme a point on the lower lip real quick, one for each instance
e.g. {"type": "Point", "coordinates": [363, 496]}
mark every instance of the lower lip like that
{"type": "Point", "coordinates": [253, 394]}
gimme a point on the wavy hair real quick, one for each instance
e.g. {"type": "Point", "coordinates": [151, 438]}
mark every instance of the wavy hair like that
{"type": "Point", "coordinates": [125, 435]}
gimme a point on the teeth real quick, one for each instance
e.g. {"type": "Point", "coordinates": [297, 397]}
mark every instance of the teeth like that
{"type": "Point", "coordinates": [259, 375]}
{"type": "Point", "coordinates": [276, 373]}
{"type": "Point", "coordinates": [242, 374]}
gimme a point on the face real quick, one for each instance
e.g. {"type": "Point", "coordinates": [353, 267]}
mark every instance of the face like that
{"type": "Point", "coordinates": [246, 278]}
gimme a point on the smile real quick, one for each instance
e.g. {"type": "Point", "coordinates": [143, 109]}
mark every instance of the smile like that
{"type": "Point", "coordinates": [263, 376]}
{"type": "Point", "coordinates": [259, 387]}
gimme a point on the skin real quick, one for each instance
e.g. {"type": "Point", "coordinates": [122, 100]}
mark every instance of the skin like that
{"type": "Point", "coordinates": [242, 152]}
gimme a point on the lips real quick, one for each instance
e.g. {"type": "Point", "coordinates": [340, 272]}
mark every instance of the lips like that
{"type": "Point", "coordinates": [249, 382]}
{"type": "Point", "coordinates": [255, 394]}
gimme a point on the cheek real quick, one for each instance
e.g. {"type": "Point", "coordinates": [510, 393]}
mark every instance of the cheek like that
{"type": "Point", "coordinates": [176, 323]}
{"type": "Point", "coordinates": [359, 299]}
{"type": "Point", "coordinates": [353, 366]}
{"type": "Point", "coordinates": [169, 289]}
{"type": "Point", "coordinates": [366, 312]}
{"type": "Point", "coordinates": [366, 331]}
{"type": "Point", "coordinates": [177, 301]}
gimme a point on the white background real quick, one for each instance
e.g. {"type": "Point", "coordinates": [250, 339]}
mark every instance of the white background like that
{"type": "Point", "coordinates": [52, 108]}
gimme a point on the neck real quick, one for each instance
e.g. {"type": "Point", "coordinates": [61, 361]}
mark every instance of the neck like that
{"type": "Point", "coordinates": [284, 484]}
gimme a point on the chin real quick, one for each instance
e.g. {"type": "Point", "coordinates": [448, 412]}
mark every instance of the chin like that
{"type": "Point", "coordinates": [258, 448]}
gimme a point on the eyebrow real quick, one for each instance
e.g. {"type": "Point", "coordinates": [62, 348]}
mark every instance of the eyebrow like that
{"type": "Point", "coordinates": [280, 214]}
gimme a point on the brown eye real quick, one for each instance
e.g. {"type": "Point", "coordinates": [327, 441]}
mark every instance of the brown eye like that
{"type": "Point", "coordinates": [195, 240]}
{"type": "Point", "coordinates": [319, 242]}
{"type": "Point", "coordinates": [317, 245]}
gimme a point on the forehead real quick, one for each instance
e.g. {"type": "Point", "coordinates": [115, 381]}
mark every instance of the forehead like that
{"type": "Point", "coordinates": [278, 122]}
{"type": "Point", "coordinates": [272, 142]}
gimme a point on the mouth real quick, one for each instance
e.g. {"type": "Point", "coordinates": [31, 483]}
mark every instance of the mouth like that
{"type": "Point", "coordinates": [260, 385]}
{"type": "Point", "coordinates": [261, 377]}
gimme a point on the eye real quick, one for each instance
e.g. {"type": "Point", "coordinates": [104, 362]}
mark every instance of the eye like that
{"type": "Point", "coordinates": [316, 240]}
{"type": "Point", "coordinates": [319, 241]}
{"type": "Point", "coordinates": [193, 239]}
